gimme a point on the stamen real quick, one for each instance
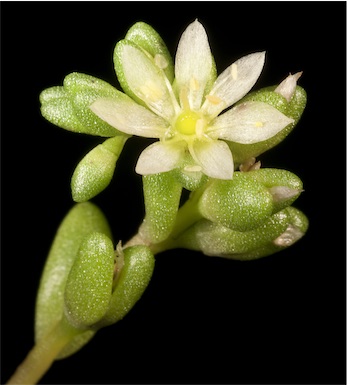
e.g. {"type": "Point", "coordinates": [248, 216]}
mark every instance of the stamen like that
{"type": "Point", "coordinates": [199, 128]}
{"type": "Point", "coordinates": [184, 99]}
{"type": "Point", "coordinates": [160, 61]}
{"type": "Point", "coordinates": [259, 124]}
{"type": "Point", "coordinates": [168, 135]}
{"type": "Point", "coordinates": [193, 168]}
{"type": "Point", "coordinates": [194, 84]}
{"type": "Point", "coordinates": [151, 91]}
{"type": "Point", "coordinates": [233, 70]}
{"type": "Point", "coordinates": [213, 99]}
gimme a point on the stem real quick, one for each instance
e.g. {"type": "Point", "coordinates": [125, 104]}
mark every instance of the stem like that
{"type": "Point", "coordinates": [41, 356]}
{"type": "Point", "coordinates": [187, 216]}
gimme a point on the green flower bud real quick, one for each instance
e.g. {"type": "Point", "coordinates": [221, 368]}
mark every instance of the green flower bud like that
{"type": "Point", "coordinates": [57, 108]}
{"type": "Point", "coordinates": [148, 39]}
{"type": "Point", "coordinates": [278, 232]}
{"type": "Point", "coordinates": [284, 186]}
{"type": "Point", "coordinates": [83, 91]}
{"type": "Point", "coordinates": [130, 282]}
{"type": "Point", "coordinates": [68, 106]}
{"type": "Point", "coordinates": [240, 204]}
{"type": "Point", "coordinates": [81, 220]}
{"type": "Point", "coordinates": [95, 171]}
{"type": "Point", "coordinates": [162, 194]}
{"type": "Point", "coordinates": [297, 227]}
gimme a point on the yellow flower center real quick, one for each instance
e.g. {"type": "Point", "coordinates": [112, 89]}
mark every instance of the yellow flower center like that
{"type": "Point", "coordinates": [186, 122]}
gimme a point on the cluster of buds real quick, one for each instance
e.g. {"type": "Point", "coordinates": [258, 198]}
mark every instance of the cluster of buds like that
{"type": "Point", "coordinates": [210, 130]}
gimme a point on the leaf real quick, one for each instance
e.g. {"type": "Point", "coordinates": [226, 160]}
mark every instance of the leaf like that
{"type": "Point", "coordinates": [81, 220]}
{"type": "Point", "coordinates": [95, 171]}
{"type": "Point", "coordinates": [133, 280]}
{"type": "Point", "coordinates": [89, 285]}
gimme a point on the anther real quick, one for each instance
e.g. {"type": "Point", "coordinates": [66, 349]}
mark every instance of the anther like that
{"type": "Point", "coordinates": [214, 99]}
{"type": "Point", "coordinates": [160, 61]}
{"type": "Point", "coordinates": [151, 91]}
{"type": "Point", "coordinates": [233, 70]}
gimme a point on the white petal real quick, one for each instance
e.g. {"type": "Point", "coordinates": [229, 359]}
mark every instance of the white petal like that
{"type": "Point", "coordinates": [159, 157]}
{"type": "Point", "coordinates": [129, 117]}
{"type": "Point", "coordinates": [234, 83]}
{"type": "Point", "coordinates": [147, 81]}
{"type": "Point", "coordinates": [249, 122]}
{"type": "Point", "coordinates": [193, 63]}
{"type": "Point", "coordinates": [215, 158]}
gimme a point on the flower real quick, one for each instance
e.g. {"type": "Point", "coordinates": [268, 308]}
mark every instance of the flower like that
{"type": "Point", "coordinates": [186, 114]}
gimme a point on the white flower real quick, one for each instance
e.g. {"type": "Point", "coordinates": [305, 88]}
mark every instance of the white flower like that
{"type": "Point", "coordinates": [185, 118]}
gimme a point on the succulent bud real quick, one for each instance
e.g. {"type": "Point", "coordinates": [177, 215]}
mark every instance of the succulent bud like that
{"type": "Point", "coordinates": [95, 171]}
{"type": "Point", "coordinates": [279, 231]}
{"type": "Point", "coordinates": [240, 204]}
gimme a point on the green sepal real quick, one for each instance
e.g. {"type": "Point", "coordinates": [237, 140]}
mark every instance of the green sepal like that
{"type": "Point", "coordinates": [131, 283]}
{"type": "Point", "coordinates": [118, 65]}
{"type": "Point", "coordinates": [214, 239]}
{"type": "Point", "coordinates": [81, 220]}
{"type": "Point", "coordinates": [185, 175]}
{"type": "Point", "coordinates": [84, 90]}
{"type": "Point", "coordinates": [95, 171]}
{"type": "Point", "coordinates": [240, 204]}
{"type": "Point", "coordinates": [292, 109]}
{"type": "Point", "coordinates": [275, 180]}
{"type": "Point", "coordinates": [67, 106]}
{"type": "Point", "coordinates": [144, 36]}
{"type": "Point", "coordinates": [89, 285]}
{"type": "Point", "coordinates": [162, 194]}
{"type": "Point", "coordinates": [57, 108]}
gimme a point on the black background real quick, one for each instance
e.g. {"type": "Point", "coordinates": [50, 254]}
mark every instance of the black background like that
{"type": "Point", "coordinates": [277, 320]}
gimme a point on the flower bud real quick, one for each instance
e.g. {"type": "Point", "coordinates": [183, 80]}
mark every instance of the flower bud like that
{"type": "Point", "coordinates": [279, 231]}
{"type": "Point", "coordinates": [284, 186]}
{"type": "Point", "coordinates": [83, 90]}
{"type": "Point", "coordinates": [68, 106]}
{"type": "Point", "coordinates": [95, 171]}
{"type": "Point", "coordinates": [240, 204]}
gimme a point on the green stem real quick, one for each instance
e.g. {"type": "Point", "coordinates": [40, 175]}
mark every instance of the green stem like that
{"type": "Point", "coordinates": [41, 356]}
{"type": "Point", "coordinates": [187, 216]}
